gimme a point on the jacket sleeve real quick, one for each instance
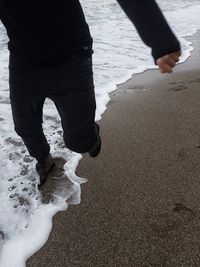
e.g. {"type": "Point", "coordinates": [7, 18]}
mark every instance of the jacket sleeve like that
{"type": "Point", "coordinates": [151, 26]}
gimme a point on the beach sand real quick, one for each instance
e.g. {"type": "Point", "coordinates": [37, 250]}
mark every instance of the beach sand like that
{"type": "Point", "coordinates": [141, 204]}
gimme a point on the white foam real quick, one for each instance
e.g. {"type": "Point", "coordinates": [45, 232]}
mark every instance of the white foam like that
{"type": "Point", "coordinates": [119, 52]}
{"type": "Point", "coordinates": [21, 246]}
{"type": "Point", "coordinates": [25, 223]}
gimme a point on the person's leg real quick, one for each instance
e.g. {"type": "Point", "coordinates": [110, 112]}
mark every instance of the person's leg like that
{"type": "Point", "coordinates": [75, 102]}
{"type": "Point", "coordinates": [27, 108]}
{"type": "Point", "coordinates": [27, 117]}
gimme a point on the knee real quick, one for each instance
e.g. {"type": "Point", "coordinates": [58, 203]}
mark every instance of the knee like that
{"type": "Point", "coordinates": [93, 150]}
{"type": "Point", "coordinates": [84, 143]}
{"type": "Point", "coordinates": [77, 146]}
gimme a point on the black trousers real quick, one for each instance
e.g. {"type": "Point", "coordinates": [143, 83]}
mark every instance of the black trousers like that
{"type": "Point", "coordinates": [70, 86]}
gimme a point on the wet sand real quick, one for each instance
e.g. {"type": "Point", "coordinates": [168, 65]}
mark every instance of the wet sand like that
{"type": "Point", "coordinates": [141, 204]}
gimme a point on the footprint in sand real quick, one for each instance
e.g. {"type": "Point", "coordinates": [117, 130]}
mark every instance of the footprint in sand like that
{"type": "Point", "coordinates": [194, 81]}
{"type": "Point", "coordinates": [178, 88]}
{"type": "Point", "coordinates": [186, 213]}
{"type": "Point", "coordinates": [164, 223]}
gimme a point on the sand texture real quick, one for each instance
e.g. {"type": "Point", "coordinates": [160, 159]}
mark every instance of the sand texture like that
{"type": "Point", "coordinates": [141, 204]}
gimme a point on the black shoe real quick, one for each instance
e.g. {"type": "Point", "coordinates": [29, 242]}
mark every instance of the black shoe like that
{"type": "Point", "coordinates": [43, 168]}
{"type": "Point", "coordinates": [94, 152]}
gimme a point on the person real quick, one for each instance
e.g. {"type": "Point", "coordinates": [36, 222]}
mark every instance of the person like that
{"type": "Point", "coordinates": [51, 57]}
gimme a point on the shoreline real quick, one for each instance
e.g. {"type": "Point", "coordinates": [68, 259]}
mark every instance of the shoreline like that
{"type": "Point", "coordinates": [194, 46]}
{"type": "Point", "coordinates": [140, 206]}
{"type": "Point", "coordinates": [113, 86]}
{"type": "Point", "coordinates": [188, 38]}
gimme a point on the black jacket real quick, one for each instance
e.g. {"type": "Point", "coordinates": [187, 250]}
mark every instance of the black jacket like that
{"type": "Point", "coordinates": [48, 31]}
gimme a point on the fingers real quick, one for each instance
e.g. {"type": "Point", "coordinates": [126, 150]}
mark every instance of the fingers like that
{"type": "Point", "coordinates": [167, 62]}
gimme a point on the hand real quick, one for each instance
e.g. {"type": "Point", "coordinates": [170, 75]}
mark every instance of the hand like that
{"type": "Point", "coordinates": [167, 62]}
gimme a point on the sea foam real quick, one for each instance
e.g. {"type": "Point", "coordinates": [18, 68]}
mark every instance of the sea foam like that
{"type": "Point", "coordinates": [25, 221]}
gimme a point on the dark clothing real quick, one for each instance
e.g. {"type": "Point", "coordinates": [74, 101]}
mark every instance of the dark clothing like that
{"type": "Point", "coordinates": [50, 56]}
{"type": "Point", "coordinates": [151, 25]}
{"type": "Point", "coordinates": [70, 87]}
{"type": "Point", "coordinates": [45, 32]}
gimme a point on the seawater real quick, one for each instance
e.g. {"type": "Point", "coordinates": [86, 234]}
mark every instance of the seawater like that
{"type": "Point", "coordinates": [119, 53]}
